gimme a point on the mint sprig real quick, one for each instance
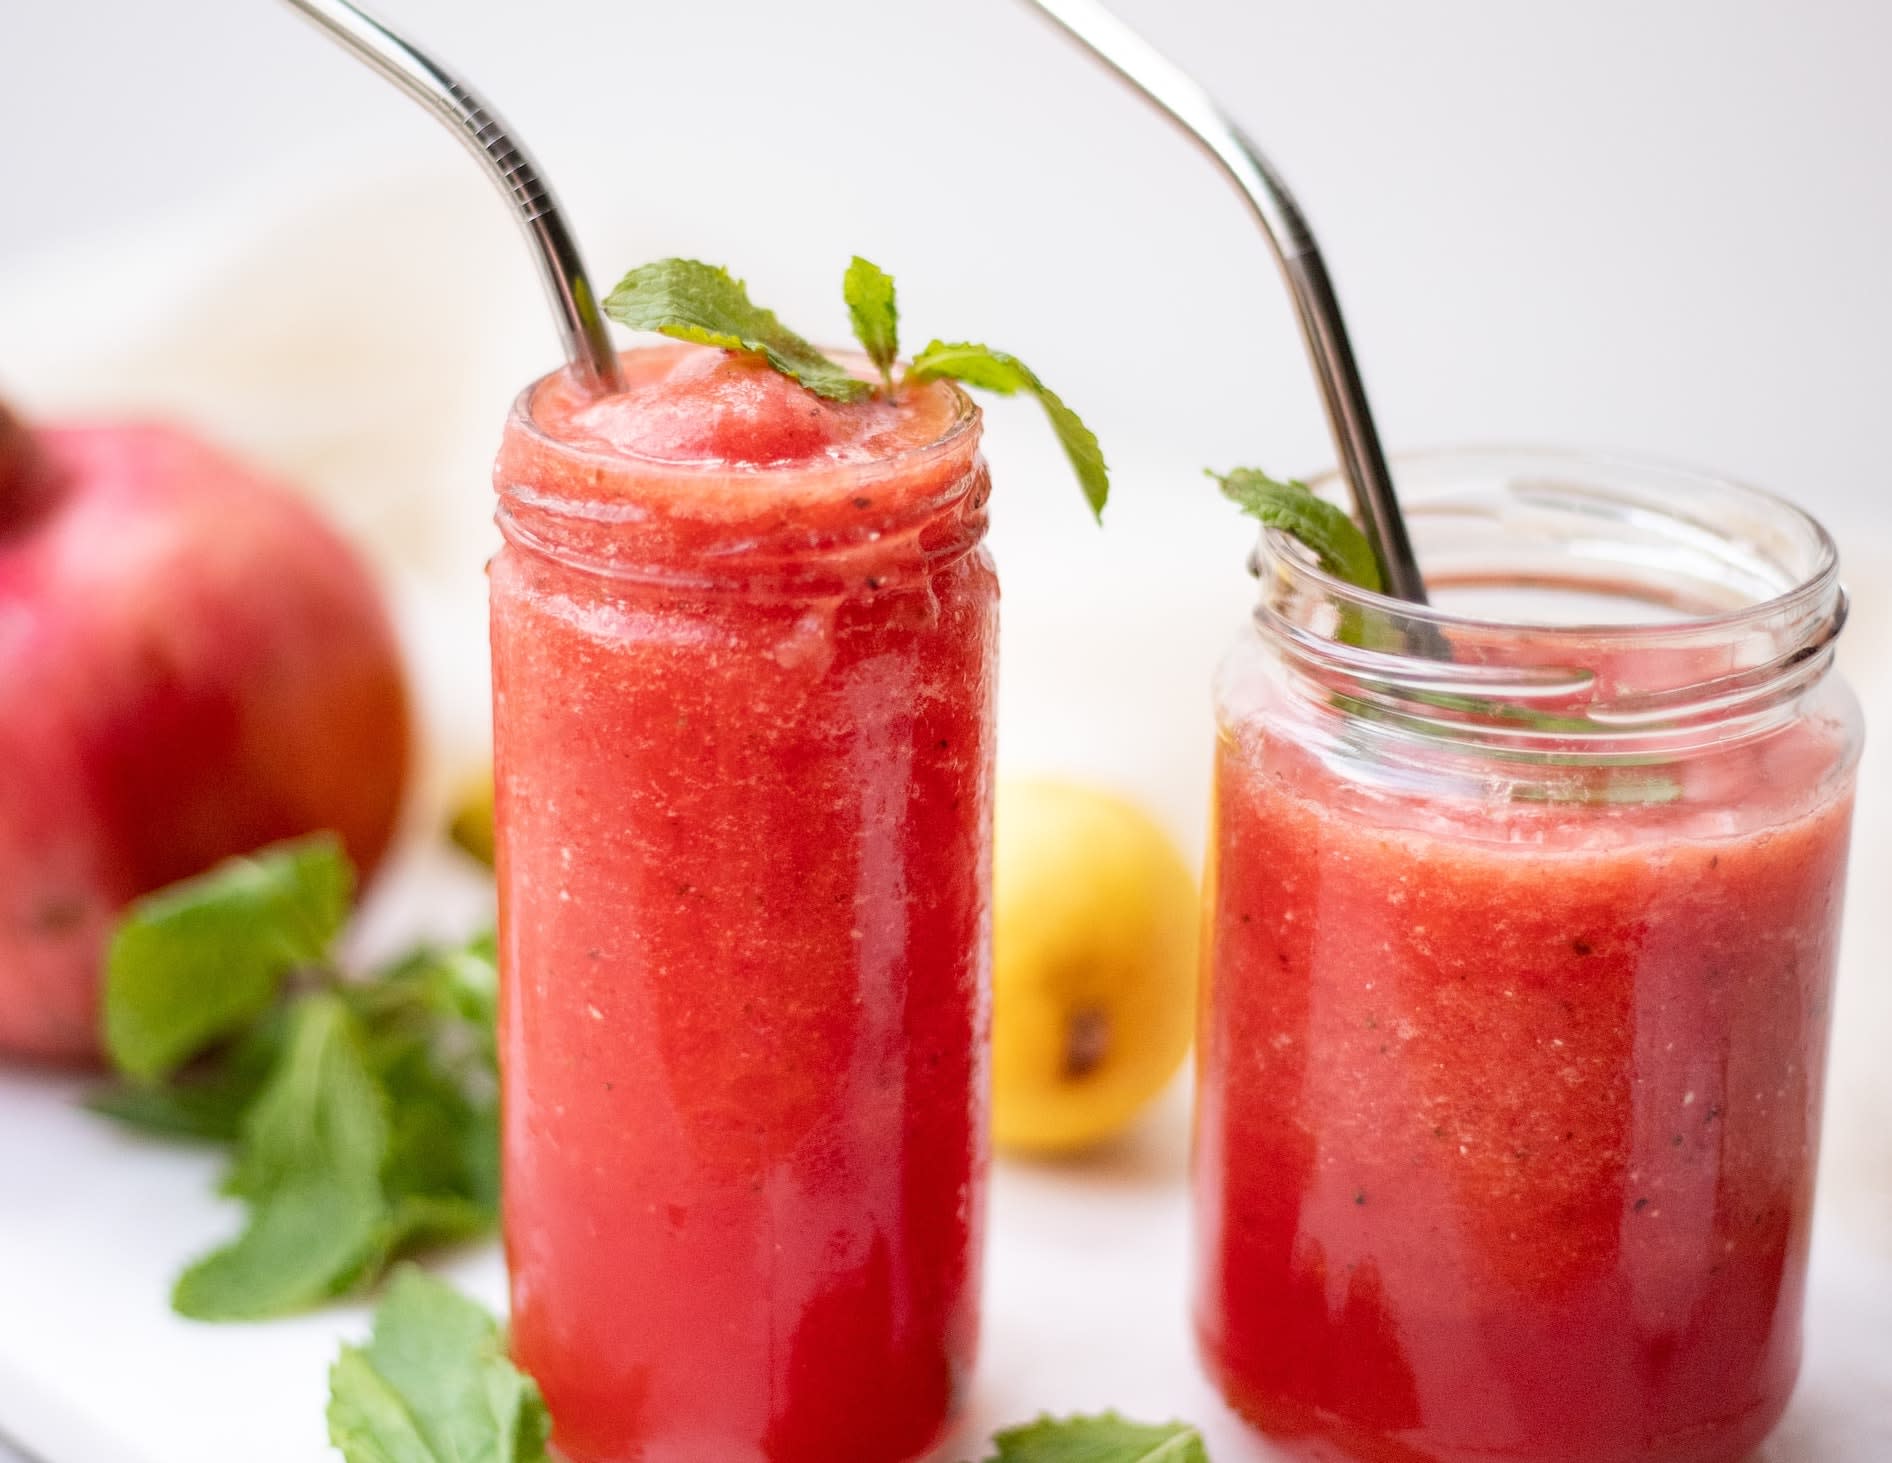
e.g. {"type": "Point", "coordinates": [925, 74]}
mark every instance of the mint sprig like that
{"type": "Point", "coordinates": [1105, 1438]}
{"type": "Point", "coordinates": [875, 314]}
{"type": "Point", "coordinates": [253, 919]}
{"type": "Point", "coordinates": [1296, 509]}
{"type": "Point", "coordinates": [433, 1385]}
{"type": "Point", "coordinates": [686, 299]}
{"type": "Point", "coordinates": [361, 1113]}
{"type": "Point", "coordinates": [689, 300]}
{"type": "Point", "coordinates": [979, 365]}
{"type": "Point", "coordinates": [309, 1163]}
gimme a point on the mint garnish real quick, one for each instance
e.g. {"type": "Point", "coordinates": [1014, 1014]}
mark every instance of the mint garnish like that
{"type": "Point", "coordinates": [688, 300]}
{"type": "Point", "coordinates": [433, 1385]}
{"type": "Point", "coordinates": [1296, 509]}
{"type": "Point", "coordinates": [875, 314]}
{"type": "Point", "coordinates": [1105, 1438]}
{"type": "Point", "coordinates": [362, 1114]}
{"type": "Point", "coordinates": [978, 365]}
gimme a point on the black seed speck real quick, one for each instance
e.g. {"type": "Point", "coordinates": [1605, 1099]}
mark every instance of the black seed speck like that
{"type": "Point", "coordinates": [1582, 947]}
{"type": "Point", "coordinates": [1641, 1204]}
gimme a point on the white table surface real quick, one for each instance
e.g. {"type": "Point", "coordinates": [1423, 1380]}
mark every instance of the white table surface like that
{"type": "Point", "coordinates": [1083, 1310]}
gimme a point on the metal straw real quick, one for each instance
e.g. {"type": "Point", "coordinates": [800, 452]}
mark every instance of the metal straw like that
{"type": "Point", "coordinates": [580, 325]}
{"type": "Point", "coordinates": [1362, 461]}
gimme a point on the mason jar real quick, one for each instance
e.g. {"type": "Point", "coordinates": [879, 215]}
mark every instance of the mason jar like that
{"type": "Point", "coordinates": [1523, 912]}
{"type": "Point", "coordinates": [743, 705]}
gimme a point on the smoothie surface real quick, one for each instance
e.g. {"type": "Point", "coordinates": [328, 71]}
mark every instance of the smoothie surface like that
{"type": "Point", "coordinates": [699, 405]}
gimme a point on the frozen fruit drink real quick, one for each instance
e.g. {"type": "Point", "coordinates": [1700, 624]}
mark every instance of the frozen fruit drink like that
{"type": "Point", "coordinates": [743, 647]}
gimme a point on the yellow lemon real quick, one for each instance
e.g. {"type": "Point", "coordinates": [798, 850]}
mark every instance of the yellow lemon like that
{"type": "Point", "coordinates": [472, 825]}
{"type": "Point", "coordinates": [1094, 935]}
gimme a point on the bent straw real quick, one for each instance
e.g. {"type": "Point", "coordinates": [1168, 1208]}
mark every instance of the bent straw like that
{"type": "Point", "coordinates": [1362, 461]}
{"type": "Point", "coordinates": [580, 324]}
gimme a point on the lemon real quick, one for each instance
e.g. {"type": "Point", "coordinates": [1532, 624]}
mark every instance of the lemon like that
{"type": "Point", "coordinates": [1095, 924]}
{"type": "Point", "coordinates": [472, 825]}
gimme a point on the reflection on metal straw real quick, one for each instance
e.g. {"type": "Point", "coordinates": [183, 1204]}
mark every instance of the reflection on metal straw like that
{"type": "Point", "coordinates": [581, 326]}
{"type": "Point", "coordinates": [1362, 461]}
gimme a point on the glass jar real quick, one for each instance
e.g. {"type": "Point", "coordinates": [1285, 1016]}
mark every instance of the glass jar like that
{"type": "Point", "coordinates": [1523, 914]}
{"type": "Point", "coordinates": [743, 747]}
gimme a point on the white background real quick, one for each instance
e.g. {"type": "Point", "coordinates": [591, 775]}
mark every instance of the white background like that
{"type": "Point", "coordinates": [1661, 226]}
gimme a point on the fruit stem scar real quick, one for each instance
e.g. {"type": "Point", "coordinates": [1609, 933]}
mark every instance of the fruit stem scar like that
{"type": "Point", "coordinates": [1086, 1042]}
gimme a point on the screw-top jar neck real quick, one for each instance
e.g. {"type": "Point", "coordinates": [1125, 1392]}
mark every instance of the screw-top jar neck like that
{"type": "Point", "coordinates": [812, 529]}
{"type": "Point", "coordinates": [1587, 609]}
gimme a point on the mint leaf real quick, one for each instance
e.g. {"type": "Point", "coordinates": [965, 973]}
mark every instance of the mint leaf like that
{"type": "Point", "coordinates": [309, 1165]}
{"type": "Point", "coordinates": [1296, 509]}
{"type": "Point", "coordinates": [433, 1385]}
{"type": "Point", "coordinates": [1107, 1438]}
{"type": "Point", "coordinates": [875, 315]}
{"type": "Point", "coordinates": [363, 1114]}
{"type": "Point", "coordinates": [196, 963]}
{"type": "Point", "coordinates": [431, 1023]}
{"type": "Point", "coordinates": [211, 1109]}
{"type": "Point", "coordinates": [979, 365]}
{"type": "Point", "coordinates": [1601, 785]}
{"type": "Point", "coordinates": [306, 1242]}
{"type": "Point", "coordinates": [686, 299]}
{"type": "Point", "coordinates": [209, 1099]}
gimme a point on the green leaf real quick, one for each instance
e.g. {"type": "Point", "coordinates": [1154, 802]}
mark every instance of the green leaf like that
{"type": "Point", "coordinates": [876, 316]}
{"type": "Point", "coordinates": [689, 300]}
{"type": "Point", "coordinates": [307, 1241]}
{"type": "Point", "coordinates": [991, 370]}
{"type": "Point", "coordinates": [310, 1167]}
{"type": "Point", "coordinates": [196, 963]}
{"type": "Point", "coordinates": [1601, 785]}
{"type": "Point", "coordinates": [364, 1115]}
{"type": "Point", "coordinates": [1295, 508]}
{"type": "Point", "coordinates": [211, 1109]}
{"type": "Point", "coordinates": [433, 1385]}
{"type": "Point", "coordinates": [210, 1098]}
{"type": "Point", "coordinates": [431, 1038]}
{"type": "Point", "coordinates": [1107, 1438]}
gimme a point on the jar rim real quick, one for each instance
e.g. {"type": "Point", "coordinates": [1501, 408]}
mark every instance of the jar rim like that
{"type": "Point", "coordinates": [1753, 582]}
{"type": "Point", "coordinates": [601, 461]}
{"type": "Point", "coordinates": [1815, 584]}
{"type": "Point", "coordinates": [801, 530]}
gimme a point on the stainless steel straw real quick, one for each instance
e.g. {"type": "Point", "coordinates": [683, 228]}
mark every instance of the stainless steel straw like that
{"type": "Point", "coordinates": [1362, 461]}
{"type": "Point", "coordinates": [580, 324]}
